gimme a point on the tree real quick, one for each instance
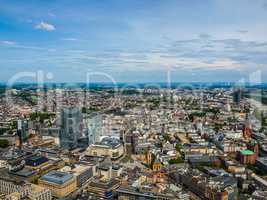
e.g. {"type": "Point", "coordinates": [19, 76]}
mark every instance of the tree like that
{"type": "Point", "coordinates": [176, 161]}
{"type": "Point", "coordinates": [178, 147]}
{"type": "Point", "coordinates": [41, 116]}
{"type": "Point", "coordinates": [84, 110]}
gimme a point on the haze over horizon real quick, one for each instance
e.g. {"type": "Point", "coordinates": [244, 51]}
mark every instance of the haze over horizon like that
{"type": "Point", "coordinates": [135, 41]}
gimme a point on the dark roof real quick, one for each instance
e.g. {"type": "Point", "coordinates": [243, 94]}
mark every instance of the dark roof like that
{"type": "Point", "coordinates": [23, 173]}
{"type": "Point", "coordinates": [8, 177]}
{"type": "Point", "coordinates": [202, 159]}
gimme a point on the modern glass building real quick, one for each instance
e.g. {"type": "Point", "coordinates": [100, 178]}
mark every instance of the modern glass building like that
{"type": "Point", "coordinates": [94, 126]}
{"type": "Point", "coordinates": [71, 127]}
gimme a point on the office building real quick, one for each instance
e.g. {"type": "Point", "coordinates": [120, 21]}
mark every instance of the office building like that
{"type": "Point", "coordinates": [60, 183]}
{"type": "Point", "coordinates": [108, 146]}
{"type": "Point", "coordinates": [104, 188]}
{"type": "Point", "coordinates": [21, 131]}
{"type": "Point", "coordinates": [36, 162]}
{"type": "Point", "coordinates": [237, 96]}
{"type": "Point", "coordinates": [82, 174]}
{"type": "Point", "coordinates": [71, 127]}
{"type": "Point", "coordinates": [94, 128]}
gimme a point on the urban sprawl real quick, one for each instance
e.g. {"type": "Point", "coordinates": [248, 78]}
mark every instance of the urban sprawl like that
{"type": "Point", "coordinates": [127, 144]}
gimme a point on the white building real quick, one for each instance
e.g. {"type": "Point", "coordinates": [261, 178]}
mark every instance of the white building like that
{"type": "Point", "coordinates": [108, 146]}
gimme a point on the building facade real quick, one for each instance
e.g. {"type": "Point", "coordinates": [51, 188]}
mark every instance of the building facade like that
{"type": "Point", "coordinates": [60, 183]}
{"type": "Point", "coordinates": [40, 193]}
{"type": "Point", "coordinates": [9, 186]}
{"type": "Point", "coordinates": [70, 127]}
{"type": "Point", "coordinates": [108, 146]}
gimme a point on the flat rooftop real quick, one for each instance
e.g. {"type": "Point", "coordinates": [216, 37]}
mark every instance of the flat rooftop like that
{"type": "Point", "coordinates": [23, 173]}
{"type": "Point", "coordinates": [36, 160]}
{"type": "Point", "coordinates": [8, 177]}
{"type": "Point", "coordinates": [57, 177]}
{"type": "Point", "coordinates": [103, 184]}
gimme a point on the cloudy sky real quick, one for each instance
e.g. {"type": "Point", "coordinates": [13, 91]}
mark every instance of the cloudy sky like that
{"type": "Point", "coordinates": [134, 40]}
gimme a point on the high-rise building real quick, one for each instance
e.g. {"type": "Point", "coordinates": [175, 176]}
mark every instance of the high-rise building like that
{"type": "Point", "coordinates": [237, 96]}
{"type": "Point", "coordinates": [71, 127]}
{"type": "Point", "coordinates": [94, 128]}
{"type": "Point", "coordinates": [21, 131]}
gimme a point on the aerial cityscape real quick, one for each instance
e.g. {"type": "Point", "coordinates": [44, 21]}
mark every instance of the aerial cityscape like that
{"type": "Point", "coordinates": [133, 100]}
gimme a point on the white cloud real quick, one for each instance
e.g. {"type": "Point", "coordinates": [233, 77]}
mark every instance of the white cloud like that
{"type": "Point", "coordinates": [70, 39]}
{"type": "Point", "coordinates": [8, 42]}
{"type": "Point", "coordinates": [16, 45]}
{"type": "Point", "coordinates": [45, 26]}
{"type": "Point", "coordinates": [160, 61]}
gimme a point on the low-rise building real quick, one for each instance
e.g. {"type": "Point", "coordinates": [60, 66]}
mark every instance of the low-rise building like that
{"type": "Point", "coordinates": [82, 174]}
{"type": "Point", "coordinates": [262, 163]}
{"type": "Point", "coordinates": [40, 193]}
{"type": "Point", "coordinates": [137, 193]}
{"type": "Point", "coordinates": [36, 162]}
{"type": "Point", "coordinates": [211, 188]}
{"type": "Point", "coordinates": [247, 157]}
{"type": "Point", "coordinates": [60, 183]}
{"type": "Point", "coordinates": [104, 188]}
{"type": "Point", "coordinates": [10, 184]}
{"type": "Point", "coordinates": [108, 146]}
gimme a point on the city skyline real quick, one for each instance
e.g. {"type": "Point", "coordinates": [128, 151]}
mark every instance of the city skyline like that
{"type": "Point", "coordinates": [134, 41]}
{"type": "Point", "coordinates": [133, 99]}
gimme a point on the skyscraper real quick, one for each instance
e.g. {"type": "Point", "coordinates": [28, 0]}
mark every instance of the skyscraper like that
{"type": "Point", "coordinates": [94, 128]}
{"type": "Point", "coordinates": [21, 131]}
{"type": "Point", "coordinates": [237, 96]}
{"type": "Point", "coordinates": [71, 127]}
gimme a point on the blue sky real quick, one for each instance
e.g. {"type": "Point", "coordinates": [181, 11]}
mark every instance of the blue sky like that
{"type": "Point", "coordinates": [134, 40]}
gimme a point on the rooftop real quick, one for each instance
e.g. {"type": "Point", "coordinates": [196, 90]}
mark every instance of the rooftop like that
{"type": "Point", "coordinates": [6, 176]}
{"type": "Point", "coordinates": [57, 177]}
{"type": "Point", "coordinates": [110, 142]}
{"type": "Point", "coordinates": [103, 184]}
{"type": "Point", "coordinates": [246, 152]}
{"type": "Point", "coordinates": [35, 160]}
{"type": "Point", "coordinates": [262, 160]}
{"type": "Point", "coordinates": [141, 192]}
{"type": "Point", "coordinates": [80, 168]}
{"type": "Point", "coordinates": [23, 172]}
